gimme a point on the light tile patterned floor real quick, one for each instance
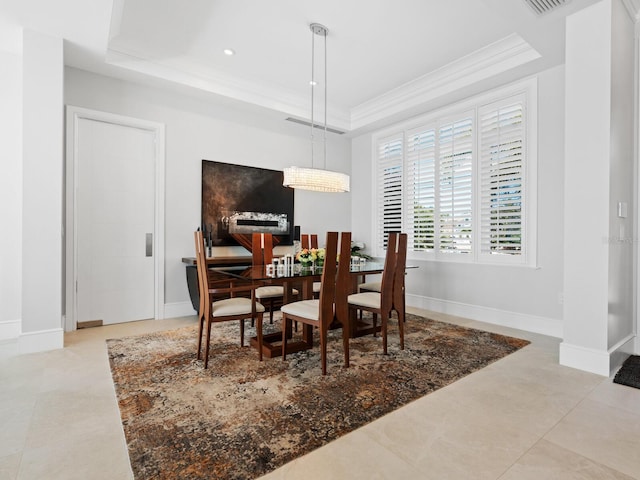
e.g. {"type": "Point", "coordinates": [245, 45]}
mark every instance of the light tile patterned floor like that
{"type": "Point", "coordinates": [523, 417]}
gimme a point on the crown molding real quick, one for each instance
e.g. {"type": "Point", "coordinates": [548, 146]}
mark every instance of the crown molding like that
{"type": "Point", "coordinates": [190, 73]}
{"type": "Point", "coordinates": [501, 56]}
{"type": "Point", "coordinates": [510, 52]}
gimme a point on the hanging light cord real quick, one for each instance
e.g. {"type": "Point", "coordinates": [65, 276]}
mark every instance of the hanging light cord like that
{"type": "Point", "coordinates": [325, 100]}
{"type": "Point", "coordinates": [313, 82]}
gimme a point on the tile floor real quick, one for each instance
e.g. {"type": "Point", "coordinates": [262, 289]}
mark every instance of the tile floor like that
{"type": "Point", "coordinates": [523, 417]}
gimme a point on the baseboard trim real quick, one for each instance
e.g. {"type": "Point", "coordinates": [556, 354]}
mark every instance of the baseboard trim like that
{"type": "Point", "coordinates": [521, 321]}
{"type": "Point", "coordinates": [600, 362]}
{"type": "Point", "coordinates": [178, 309]}
{"type": "Point", "coordinates": [587, 359]}
{"type": "Point", "coordinates": [621, 351]}
{"type": "Point", "coordinates": [10, 329]}
{"type": "Point", "coordinates": [41, 341]}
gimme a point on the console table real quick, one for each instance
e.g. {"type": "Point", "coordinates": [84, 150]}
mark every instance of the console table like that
{"type": "Point", "coordinates": [192, 273]}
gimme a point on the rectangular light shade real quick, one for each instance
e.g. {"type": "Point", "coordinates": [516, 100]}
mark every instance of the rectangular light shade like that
{"type": "Point", "coordinates": [315, 179]}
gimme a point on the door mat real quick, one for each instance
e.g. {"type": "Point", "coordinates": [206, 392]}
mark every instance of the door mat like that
{"type": "Point", "coordinates": [629, 373]}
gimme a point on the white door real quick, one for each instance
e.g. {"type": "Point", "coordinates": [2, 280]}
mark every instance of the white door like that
{"type": "Point", "coordinates": [114, 215]}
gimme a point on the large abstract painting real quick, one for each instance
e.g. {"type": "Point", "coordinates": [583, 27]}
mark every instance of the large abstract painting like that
{"type": "Point", "coordinates": [242, 200]}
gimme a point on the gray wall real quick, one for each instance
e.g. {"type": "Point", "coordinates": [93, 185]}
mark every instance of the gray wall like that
{"type": "Point", "coordinates": [197, 129]}
{"type": "Point", "coordinates": [519, 296]}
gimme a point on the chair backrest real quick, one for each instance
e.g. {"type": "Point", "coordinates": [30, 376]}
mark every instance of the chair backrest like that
{"type": "Point", "coordinates": [344, 282]}
{"type": "Point", "coordinates": [328, 280]}
{"type": "Point", "coordinates": [262, 248]}
{"type": "Point", "coordinates": [201, 265]}
{"type": "Point", "coordinates": [309, 240]}
{"type": "Point", "coordinates": [388, 274]}
{"type": "Point", "coordinates": [401, 264]}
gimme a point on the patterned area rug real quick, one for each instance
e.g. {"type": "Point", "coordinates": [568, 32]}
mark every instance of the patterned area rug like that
{"type": "Point", "coordinates": [241, 419]}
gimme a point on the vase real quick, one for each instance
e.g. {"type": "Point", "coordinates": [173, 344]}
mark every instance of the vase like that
{"type": "Point", "coordinates": [306, 263]}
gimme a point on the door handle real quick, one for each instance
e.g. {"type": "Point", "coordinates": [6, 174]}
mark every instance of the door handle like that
{"type": "Point", "coordinates": [149, 244]}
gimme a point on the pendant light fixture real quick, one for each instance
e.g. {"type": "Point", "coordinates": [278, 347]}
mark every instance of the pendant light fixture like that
{"type": "Point", "coordinates": [312, 178]}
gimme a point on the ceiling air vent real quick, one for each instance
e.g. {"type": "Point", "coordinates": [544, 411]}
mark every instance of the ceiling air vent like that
{"type": "Point", "coordinates": [308, 124]}
{"type": "Point", "coordinates": [540, 7]}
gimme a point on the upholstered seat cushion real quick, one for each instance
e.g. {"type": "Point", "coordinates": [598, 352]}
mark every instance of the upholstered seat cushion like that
{"type": "Point", "coordinates": [234, 306]}
{"type": "Point", "coordinates": [370, 286]}
{"type": "Point", "coordinates": [365, 299]}
{"type": "Point", "coordinates": [272, 291]}
{"type": "Point", "coordinates": [306, 309]}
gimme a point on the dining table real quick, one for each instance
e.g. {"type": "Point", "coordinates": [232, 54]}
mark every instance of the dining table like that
{"type": "Point", "coordinates": [291, 277]}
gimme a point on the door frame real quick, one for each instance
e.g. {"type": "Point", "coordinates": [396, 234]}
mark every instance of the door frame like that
{"type": "Point", "coordinates": [73, 116]}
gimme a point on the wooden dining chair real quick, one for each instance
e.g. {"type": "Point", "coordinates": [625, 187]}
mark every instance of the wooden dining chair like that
{"type": "Point", "coordinates": [231, 308]}
{"type": "Point", "coordinates": [375, 286]}
{"type": "Point", "coordinates": [262, 254]}
{"type": "Point", "coordinates": [399, 297]}
{"type": "Point", "coordinates": [399, 302]}
{"type": "Point", "coordinates": [321, 312]}
{"type": "Point", "coordinates": [310, 240]}
{"type": "Point", "coordinates": [382, 303]}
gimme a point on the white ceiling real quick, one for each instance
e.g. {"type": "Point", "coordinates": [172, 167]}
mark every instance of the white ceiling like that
{"type": "Point", "coordinates": [385, 58]}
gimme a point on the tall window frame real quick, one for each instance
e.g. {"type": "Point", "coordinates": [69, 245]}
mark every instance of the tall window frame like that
{"type": "Point", "coordinates": [462, 181]}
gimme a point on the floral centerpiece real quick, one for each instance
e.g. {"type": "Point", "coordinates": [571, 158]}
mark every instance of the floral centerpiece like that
{"type": "Point", "coordinates": [307, 256]}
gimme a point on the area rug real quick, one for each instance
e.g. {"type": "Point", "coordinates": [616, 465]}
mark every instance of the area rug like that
{"type": "Point", "coordinates": [242, 418]}
{"type": "Point", "coordinates": [629, 373]}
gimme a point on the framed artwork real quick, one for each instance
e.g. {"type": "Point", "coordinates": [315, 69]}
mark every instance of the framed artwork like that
{"type": "Point", "coordinates": [241, 200]}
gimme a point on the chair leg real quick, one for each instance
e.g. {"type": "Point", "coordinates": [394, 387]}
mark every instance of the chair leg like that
{"type": "Point", "coordinates": [259, 329]}
{"type": "Point", "coordinates": [323, 349]}
{"type": "Point", "coordinates": [271, 307]}
{"type": "Point", "coordinates": [201, 321]}
{"type": "Point", "coordinates": [375, 323]}
{"type": "Point", "coordinates": [242, 332]}
{"type": "Point", "coordinates": [206, 349]}
{"type": "Point", "coordinates": [284, 337]}
{"type": "Point", "coordinates": [384, 332]}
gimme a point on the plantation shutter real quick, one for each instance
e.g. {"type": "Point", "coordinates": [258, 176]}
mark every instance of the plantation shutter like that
{"type": "Point", "coordinates": [420, 191]}
{"type": "Point", "coordinates": [455, 196]}
{"type": "Point", "coordinates": [502, 132]}
{"type": "Point", "coordinates": [389, 187]}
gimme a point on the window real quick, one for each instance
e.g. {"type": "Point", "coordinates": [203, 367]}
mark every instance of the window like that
{"type": "Point", "coordinates": [390, 187]}
{"type": "Point", "coordinates": [461, 183]}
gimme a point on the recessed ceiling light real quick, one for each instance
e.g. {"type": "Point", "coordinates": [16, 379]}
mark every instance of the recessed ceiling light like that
{"type": "Point", "coordinates": [228, 51]}
{"type": "Point", "coordinates": [313, 83]}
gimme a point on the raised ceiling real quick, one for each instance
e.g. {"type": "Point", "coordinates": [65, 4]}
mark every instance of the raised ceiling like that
{"type": "Point", "coordinates": [385, 58]}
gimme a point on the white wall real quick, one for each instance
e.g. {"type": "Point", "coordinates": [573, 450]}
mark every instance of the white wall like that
{"type": "Point", "coordinates": [598, 312]}
{"type": "Point", "coordinates": [10, 194]}
{"type": "Point", "coordinates": [42, 169]}
{"type": "Point", "coordinates": [522, 297]}
{"type": "Point", "coordinates": [197, 130]}
{"type": "Point", "coordinates": [621, 287]}
{"type": "Point", "coordinates": [587, 165]}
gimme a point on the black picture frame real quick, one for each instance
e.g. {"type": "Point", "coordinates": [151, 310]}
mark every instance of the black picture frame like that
{"type": "Point", "coordinates": [241, 199]}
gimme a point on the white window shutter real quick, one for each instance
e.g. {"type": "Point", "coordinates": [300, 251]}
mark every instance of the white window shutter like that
{"type": "Point", "coordinates": [389, 187]}
{"type": "Point", "coordinates": [455, 197]}
{"type": "Point", "coordinates": [420, 189]}
{"type": "Point", "coordinates": [502, 182]}
{"type": "Point", "coordinates": [461, 182]}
